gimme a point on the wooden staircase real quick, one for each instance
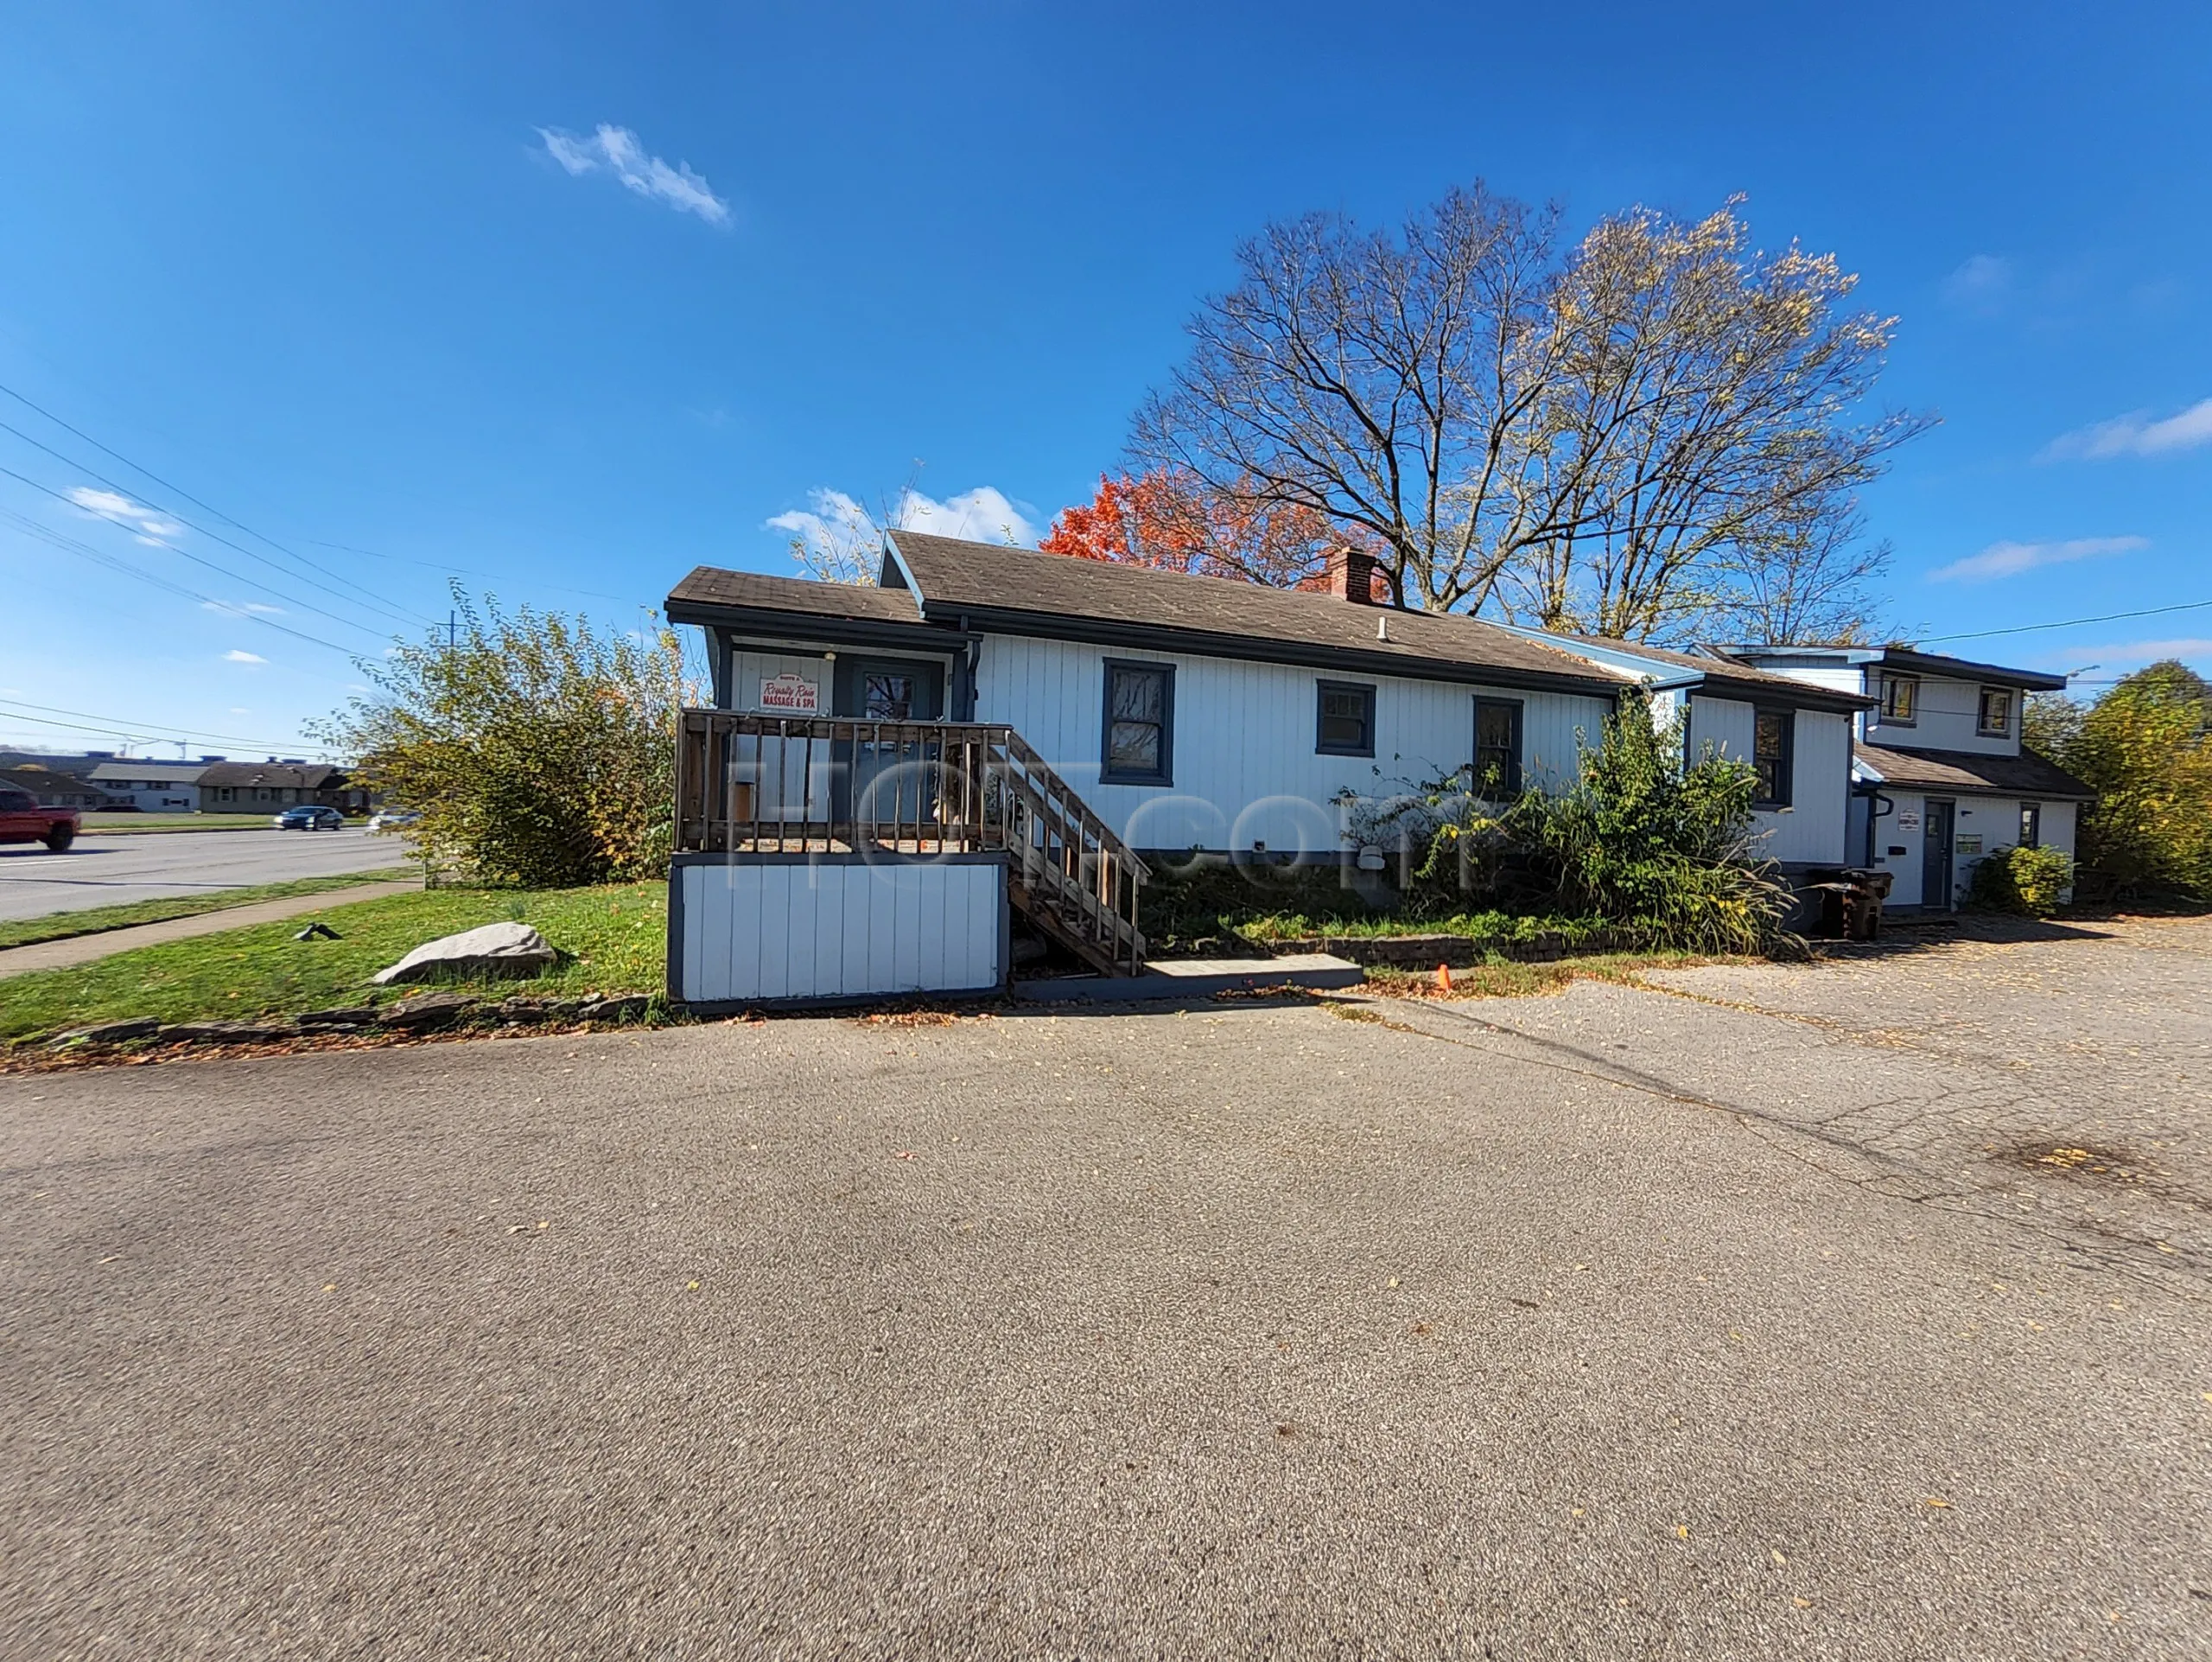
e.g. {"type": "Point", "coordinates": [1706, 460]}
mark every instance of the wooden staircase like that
{"type": "Point", "coordinates": [751, 785]}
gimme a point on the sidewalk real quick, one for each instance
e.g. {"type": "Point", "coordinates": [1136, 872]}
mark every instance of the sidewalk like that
{"type": "Point", "coordinates": [84, 949]}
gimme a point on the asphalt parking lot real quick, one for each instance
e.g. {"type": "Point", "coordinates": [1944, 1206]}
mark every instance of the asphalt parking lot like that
{"type": "Point", "coordinates": [1771, 1314]}
{"type": "Point", "coordinates": [115, 867]}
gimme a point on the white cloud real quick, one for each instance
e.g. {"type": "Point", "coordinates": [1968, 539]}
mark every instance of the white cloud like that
{"type": "Point", "coordinates": [2010, 559]}
{"type": "Point", "coordinates": [985, 514]}
{"type": "Point", "coordinates": [841, 534]}
{"type": "Point", "coordinates": [235, 711]}
{"type": "Point", "coordinates": [234, 656]}
{"type": "Point", "coordinates": [617, 150]}
{"type": "Point", "coordinates": [122, 511]}
{"type": "Point", "coordinates": [2134, 435]}
{"type": "Point", "coordinates": [1983, 283]}
{"type": "Point", "coordinates": [242, 607]}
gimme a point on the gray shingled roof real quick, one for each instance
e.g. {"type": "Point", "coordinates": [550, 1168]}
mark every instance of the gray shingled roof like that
{"type": "Point", "coordinates": [2024, 775]}
{"type": "Point", "coordinates": [1726, 675]}
{"type": "Point", "coordinates": [709, 586]}
{"type": "Point", "coordinates": [988, 582]}
{"type": "Point", "coordinates": [283, 776]}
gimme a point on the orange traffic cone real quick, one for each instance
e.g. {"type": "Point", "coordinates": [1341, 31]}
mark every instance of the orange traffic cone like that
{"type": "Point", "coordinates": [1444, 978]}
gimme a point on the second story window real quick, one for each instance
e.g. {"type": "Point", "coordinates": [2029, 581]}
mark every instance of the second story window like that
{"type": "Point", "coordinates": [1995, 720]}
{"type": "Point", "coordinates": [1900, 699]}
{"type": "Point", "coordinates": [1773, 736]}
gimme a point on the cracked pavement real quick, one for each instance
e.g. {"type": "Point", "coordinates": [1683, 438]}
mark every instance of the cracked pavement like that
{"type": "Point", "coordinates": [1726, 1318]}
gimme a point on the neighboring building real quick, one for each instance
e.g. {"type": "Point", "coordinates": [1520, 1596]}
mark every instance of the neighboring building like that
{"type": "Point", "coordinates": [151, 785]}
{"type": "Point", "coordinates": [271, 787]}
{"type": "Point", "coordinates": [50, 789]}
{"type": "Point", "coordinates": [1940, 777]}
{"type": "Point", "coordinates": [78, 764]}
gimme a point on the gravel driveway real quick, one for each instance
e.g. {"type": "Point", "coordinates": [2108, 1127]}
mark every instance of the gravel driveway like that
{"type": "Point", "coordinates": [1738, 1319]}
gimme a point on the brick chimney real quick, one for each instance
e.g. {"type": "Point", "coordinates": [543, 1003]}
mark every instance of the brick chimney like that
{"type": "Point", "coordinates": [1351, 575]}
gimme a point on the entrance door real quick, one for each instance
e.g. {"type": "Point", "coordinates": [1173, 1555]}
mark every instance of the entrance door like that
{"type": "Point", "coordinates": [879, 786]}
{"type": "Point", "coordinates": [1935, 855]}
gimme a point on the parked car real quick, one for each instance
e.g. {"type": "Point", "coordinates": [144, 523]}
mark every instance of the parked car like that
{"type": "Point", "coordinates": [22, 820]}
{"type": "Point", "coordinates": [393, 819]}
{"type": "Point", "coordinates": [308, 817]}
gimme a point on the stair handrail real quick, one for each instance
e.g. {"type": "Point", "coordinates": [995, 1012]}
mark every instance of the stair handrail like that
{"type": "Point", "coordinates": [1106, 875]}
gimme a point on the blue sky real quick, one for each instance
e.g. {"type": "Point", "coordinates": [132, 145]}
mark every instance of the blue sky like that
{"type": "Point", "coordinates": [321, 268]}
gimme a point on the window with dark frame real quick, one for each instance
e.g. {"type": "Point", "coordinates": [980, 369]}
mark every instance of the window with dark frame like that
{"type": "Point", "coordinates": [1343, 719]}
{"type": "Point", "coordinates": [1900, 699]}
{"type": "Point", "coordinates": [888, 697]}
{"type": "Point", "coordinates": [1139, 747]}
{"type": "Point", "coordinates": [1773, 739]}
{"type": "Point", "coordinates": [1498, 746]}
{"type": "Point", "coordinates": [1996, 716]}
{"type": "Point", "coordinates": [2031, 825]}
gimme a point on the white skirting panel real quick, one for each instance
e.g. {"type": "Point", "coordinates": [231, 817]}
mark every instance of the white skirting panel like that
{"type": "Point", "coordinates": [763, 930]}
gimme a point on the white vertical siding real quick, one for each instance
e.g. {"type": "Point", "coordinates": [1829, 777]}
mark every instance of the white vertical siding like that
{"type": "Point", "coordinates": [757, 930]}
{"type": "Point", "coordinates": [748, 667]}
{"type": "Point", "coordinates": [1244, 766]}
{"type": "Point", "coordinates": [1812, 831]}
{"type": "Point", "coordinates": [1947, 718]}
{"type": "Point", "coordinates": [1890, 831]}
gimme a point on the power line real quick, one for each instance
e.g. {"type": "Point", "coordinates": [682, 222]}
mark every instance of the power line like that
{"type": "Point", "coordinates": [197, 559]}
{"type": "Point", "coordinates": [170, 514]}
{"type": "Point", "coordinates": [468, 571]}
{"type": "Point", "coordinates": [148, 729]}
{"type": "Point", "coordinates": [2069, 623]}
{"type": "Point", "coordinates": [100, 557]}
{"type": "Point", "coordinates": [228, 520]}
{"type": "Point", "coordinates": [130, 736]}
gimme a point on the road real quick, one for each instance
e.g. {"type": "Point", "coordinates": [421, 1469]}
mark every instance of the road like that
{"type": "Point", "coordinates": [110, 868]}
{"type": "Point", "coordinates": [1740, 1318]}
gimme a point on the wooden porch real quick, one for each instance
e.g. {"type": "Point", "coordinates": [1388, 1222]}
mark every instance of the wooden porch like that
{"type": "Point", "coordinates": [754, 786]}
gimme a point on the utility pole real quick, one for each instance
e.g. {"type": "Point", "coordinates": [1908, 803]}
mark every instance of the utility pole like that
{"type": "Point", "coordinates": [451, 620]}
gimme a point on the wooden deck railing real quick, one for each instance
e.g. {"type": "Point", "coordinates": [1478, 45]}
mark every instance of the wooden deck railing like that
{"type": "Point", "coordinates": [748, 785]}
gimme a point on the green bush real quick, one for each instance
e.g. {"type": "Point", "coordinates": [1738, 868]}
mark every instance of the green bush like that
{"type": "Point", "coordinates": [2027, 881]}
{"type": "Point", "coordinates": [2145, 748]}
{"type": "Point", "coordinates": [1641, 841]}
{"type": "Point", "coordinates": [539, 752]}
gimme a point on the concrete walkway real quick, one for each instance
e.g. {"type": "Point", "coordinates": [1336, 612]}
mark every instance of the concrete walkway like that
{"type": "Point", "coordinates": [84, 949]}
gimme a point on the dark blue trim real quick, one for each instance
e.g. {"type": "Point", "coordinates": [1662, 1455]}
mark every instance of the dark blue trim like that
{"type": "Point", "coordinates": [1322, 689]}
{"type": "Point", "coordinates": [1107, 775]}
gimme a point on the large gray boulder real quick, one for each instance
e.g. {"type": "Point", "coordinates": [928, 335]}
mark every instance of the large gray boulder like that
{"type": "Point", "coordinates": [496, 949]}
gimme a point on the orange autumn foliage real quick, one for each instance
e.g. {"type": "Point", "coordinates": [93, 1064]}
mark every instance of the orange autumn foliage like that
{"type": "Point", "coordinates": [1173, 524]}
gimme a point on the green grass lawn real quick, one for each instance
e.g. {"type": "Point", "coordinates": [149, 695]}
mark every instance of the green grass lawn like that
{"type": "Point", "coordinates": [97, 822]}
{"type": "Point", "coordinates": [615, 936]}
{"type": "Point", "coordinates": [97, 919]}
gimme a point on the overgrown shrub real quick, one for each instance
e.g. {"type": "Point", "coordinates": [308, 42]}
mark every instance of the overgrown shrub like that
{"type": "Point", "coordinates": [539, 752]}
{"type": "Point", "coordinates": [2027, 881]}
{"type": "Point", "coordinates": [1663, 850]}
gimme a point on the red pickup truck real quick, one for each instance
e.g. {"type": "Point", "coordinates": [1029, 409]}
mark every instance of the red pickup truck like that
{"type": "Point", "coordinates": [22, 820]}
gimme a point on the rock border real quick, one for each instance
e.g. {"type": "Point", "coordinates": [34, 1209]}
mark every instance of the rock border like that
{"type": "Point", "coordinates": [1460, 952]}
{"type": "Point", "coordinates": [424, 1013]}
